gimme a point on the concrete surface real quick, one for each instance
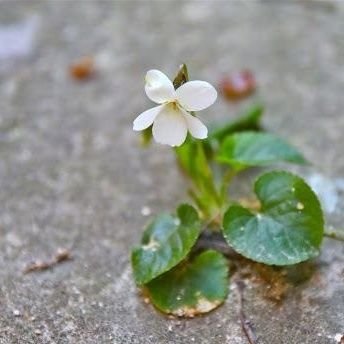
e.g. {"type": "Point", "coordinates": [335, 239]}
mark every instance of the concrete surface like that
{"type": "Point", "coordinates": [73, 176]}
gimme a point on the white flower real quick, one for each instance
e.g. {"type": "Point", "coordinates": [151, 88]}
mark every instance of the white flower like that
{"type": "Point", "coordinates": [171, 119]}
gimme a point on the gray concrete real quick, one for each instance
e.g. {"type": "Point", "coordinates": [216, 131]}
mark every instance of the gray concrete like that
{"type": "Point", "coordinates": [72, 175]}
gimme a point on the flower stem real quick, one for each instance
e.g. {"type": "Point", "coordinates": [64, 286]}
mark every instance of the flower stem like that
{"type": "Point", "coordinates": [334, 234]}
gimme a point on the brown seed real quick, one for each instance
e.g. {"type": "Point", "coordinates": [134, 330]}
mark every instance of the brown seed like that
{"type": "Point", "coordinates": [83, 68]}
{"type": "Point", "coordinates": [238, 85]}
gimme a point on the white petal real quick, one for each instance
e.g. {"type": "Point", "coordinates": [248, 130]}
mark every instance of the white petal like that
{"type": "Point", "coordinates": [170, 127]}
{"type": "Point", "coordinates": [196, 95]}
{"type": "Point", "coordinates": [159, 88]}
{"type": "Point", "coordinates": [146, 118]}
{"type": "Point", "coordinates": [197, 129]}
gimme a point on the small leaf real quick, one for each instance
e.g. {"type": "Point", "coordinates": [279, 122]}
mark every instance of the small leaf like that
{"type": "Point", "coordinates": [288, 229]}
{"type": "Point", "coordinates": [146, 137]}
{"type": "Point", "coordinates": [257, 149]}
{"type": "Point", "coordinates": [165, 242]}
{"type": "Point", "coordinates": [192, 287]}
{"type": "Point", "coordinates": [248, 121]}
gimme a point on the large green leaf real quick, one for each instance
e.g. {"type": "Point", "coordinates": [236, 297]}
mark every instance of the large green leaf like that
{"type": "Point", "coordinates": [165, 242]}
{"type": "Point", "coordinates": [257, 149]}
{"type": "Point", "coordinates": [192, 287]}
{"type": "Point", "coordinates": [288, 229]}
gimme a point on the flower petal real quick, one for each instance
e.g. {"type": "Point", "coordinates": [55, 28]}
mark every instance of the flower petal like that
{"type": "Point", "coordinates": [196, 95]}
{"type": "Point", "coordinates": [197, 129]}
{"type": "Point", "coordinates": [159, 88]}
{"type": "Point", "coordinates": [146, 118]}
{"type": "Point", "coordinates": [170, 127]}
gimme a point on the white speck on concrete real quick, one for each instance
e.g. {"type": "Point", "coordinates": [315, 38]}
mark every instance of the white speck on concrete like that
{"type": "Point", "coordinates": [146, 211]}
{"type": "Point", "coordinates": [16, 313]}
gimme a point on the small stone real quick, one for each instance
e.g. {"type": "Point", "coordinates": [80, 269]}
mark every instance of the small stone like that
{"type": "Point", "coordinates": [170, 328]}
{"type": "Point", "coordinates": [16, 313]}
{"type": "Point", "coordinates": [38, 332]}
{"type": "Point", "coordinates": [83, 68]}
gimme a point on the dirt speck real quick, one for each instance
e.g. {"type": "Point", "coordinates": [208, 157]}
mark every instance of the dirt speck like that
{"type": "Point", "coordinates": [60, 256]}
{"type": "Point", "coordinates": [83, 68]}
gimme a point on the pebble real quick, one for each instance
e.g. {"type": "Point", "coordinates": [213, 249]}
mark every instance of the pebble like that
{"type": "Point", "coordinates": [16, 313]}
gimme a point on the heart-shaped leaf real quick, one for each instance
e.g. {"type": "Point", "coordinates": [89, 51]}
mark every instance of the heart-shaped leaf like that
{"type": "Point", "coordinates": [192, 287]}
{"type": "Point", "coordinates": [288, 229]}
{"type": "Point", "coordinates": [165, 242]}
{"type": "Point", "coordinates": [246, 149]}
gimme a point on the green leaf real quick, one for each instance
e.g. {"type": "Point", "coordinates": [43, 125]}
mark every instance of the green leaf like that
{"type": "Point", "coordinates": [249, 121]}
{"type": "Point", "coordinates": [288, 229]}
{"type": "Point", "coordinates": [165, 242]}
{"type": "Point", "coordinates": [257, 149]}
{"type": "Point", "coordinates": [192, 287]}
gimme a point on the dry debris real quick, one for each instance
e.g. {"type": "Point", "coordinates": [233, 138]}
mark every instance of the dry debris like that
{"type": "Point", "coordinates": [246, 324]}
{"type": "Point", "coordinates": [60, 256]}
{"type": "Point", "coordinates": [83, 68]}
{"type": "Point", "coordinates": [238, 85]}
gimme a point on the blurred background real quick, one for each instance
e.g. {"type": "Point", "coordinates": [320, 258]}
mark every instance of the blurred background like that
{"type": "Point", "coordinates": [72, 174]}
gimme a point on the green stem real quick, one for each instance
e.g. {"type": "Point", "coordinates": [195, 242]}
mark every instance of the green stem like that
{"type": "Point", "coordinates": [227, 178]}
{"type": "Point", "coordinates": [334, 234]}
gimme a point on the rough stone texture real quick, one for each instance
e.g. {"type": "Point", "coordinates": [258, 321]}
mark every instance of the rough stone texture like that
{"type": "Point", "coordinates": [72, 175]}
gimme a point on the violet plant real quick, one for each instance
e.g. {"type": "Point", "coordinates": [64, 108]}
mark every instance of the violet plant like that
{"type": "Point", "coordinates": [182, 277]}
